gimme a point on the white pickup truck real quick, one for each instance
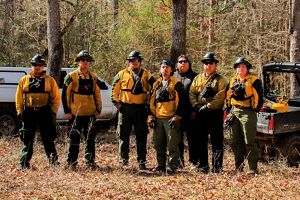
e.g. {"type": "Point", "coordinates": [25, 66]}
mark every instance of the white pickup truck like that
{"type": "Point", "coordinates": [9, 78]}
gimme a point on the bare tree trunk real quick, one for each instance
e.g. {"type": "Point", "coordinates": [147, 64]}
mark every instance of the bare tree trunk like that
{"type": "Point", "coordinates": [55, 45]}
{"type": "Point", "coordinates": [116, 13]}
{"type": "Point", "coordinates": [7, 30]}
{"type": "Point", "coordinates": [295, 41]}
{"type": "Point", "coordinates": [211, 24]}
{"type": "Point", "coordinates": [178, 29]}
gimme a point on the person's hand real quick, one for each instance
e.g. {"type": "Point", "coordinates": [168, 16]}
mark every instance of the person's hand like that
{"type": "Point", "coordinates": [97, 115]}
{"type": "Point", "coordinates": [20, 116]}
{"type": "Point", "coordinates": [151, 121]}
{"type": "Point", "coordinates": [69, 116]}
{"type": "Point", "coordinates": [118, 106]}
{"type": "Point", "coordinates": [193, 116]}
{"type": "Point", "coordinates": [203, 109]}
{"type": "Point", "coordinates": [196, 108]}
{"type": "Point", "coordinates": [227, 109]}
{"type": "Point", "coordinates": [174, 120]}
{"type": "Point", "coordinates": [229, 120]}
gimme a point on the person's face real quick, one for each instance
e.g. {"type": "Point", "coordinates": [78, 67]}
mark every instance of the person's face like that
{"type": "Point", "coordinates": [134, 64]}
{"type": "Point", "coordinates": [209, 67]}
{"type": "Point", "coordinates": [37, 68]}
{"type": "Point", "coordinates": [166, 71]}
{"type": "Point", "coordinates": [84, 63]}
{"type": "Point", "coordinates": [183, 65]}
{"type": "Point", "coordinates": [242, 70]}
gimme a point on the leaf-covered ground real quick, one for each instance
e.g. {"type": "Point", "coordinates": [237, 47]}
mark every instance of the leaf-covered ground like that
{"type": "Point", "coordinates": [112, 181]}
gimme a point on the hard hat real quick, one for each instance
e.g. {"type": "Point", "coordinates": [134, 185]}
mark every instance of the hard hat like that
{"type": "Point", "coordinates": [135, 54]}
{"type": "Point", "coordinates": [84, 54]}
{"type": "Point", "coordinates": [209, 57]}
{"type": "Point", "coordinates": [38, 59]}
{"type": "Point", "coordinates": [241, 60]}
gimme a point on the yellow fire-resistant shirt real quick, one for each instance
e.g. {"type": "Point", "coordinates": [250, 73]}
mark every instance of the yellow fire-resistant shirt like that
{"type": "Point", "coordinates": [253, 93]}
{"type": "Point", "coordinates": [218, 85]}
{"type": "Point", "coordinates": [37, 92]}
{"type": "Point", "coordinates": [175, 103]}
{"type": "Point", "coordinates": [124, 83]}
{"type": "Point", "coordinates": [81, 99]}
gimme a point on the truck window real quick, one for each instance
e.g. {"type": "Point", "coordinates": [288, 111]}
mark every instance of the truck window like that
{"type": "Point", "coordinates": [11, 77]}
{"type": "Point", "coordinates": [277, 87]}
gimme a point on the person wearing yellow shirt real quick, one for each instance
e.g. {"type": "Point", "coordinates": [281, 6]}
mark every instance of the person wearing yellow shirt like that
{"type": "Point", "coordinates": [130, 94]}
{"type": "Point", "coordinates": [37, 102]}
{"type": "Point", "coordinates": [207, 95]}
{"type": "Point", "coordinates": [82, 105]}
{"type": "Point", "coordinates": [166, 105]}
{"type": "Point", "coordinates": [244, 99]}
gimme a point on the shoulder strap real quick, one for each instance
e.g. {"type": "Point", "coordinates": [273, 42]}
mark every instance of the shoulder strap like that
{"type": "Point", "coordinates": [209, 82]}
{"type": "Point", "coordinates": [141, 73]}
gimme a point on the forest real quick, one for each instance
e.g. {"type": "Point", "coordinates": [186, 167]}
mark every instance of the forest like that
{"type": "Point", "coordinates": [262, 30]}
{"type": "Point", "coordinates": [257, 29]}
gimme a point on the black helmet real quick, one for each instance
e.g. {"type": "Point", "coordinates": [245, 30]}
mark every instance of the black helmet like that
{"type": "Point", "coordinates": [84, 54]}
{"type": "Point", "coordinates": [209, 57]}
{"type": "Point", "coordinates": [38, 59]}
{"type": "Point", "coordinates": [135, 54]}
{"type": "Point", "coordinates": [167, 62]}
{"type": "Point", "coordinates": [241, 60]}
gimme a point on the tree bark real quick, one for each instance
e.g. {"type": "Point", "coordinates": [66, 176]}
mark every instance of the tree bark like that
{"type": "Point", "coordinates": [178, 29]}
{"type": "Point", "coordinates": [294, 41]}
{"type": "Point", "coordinates": [211, 24]}
{"type": "Point", "coordinates": [55, 44]}
{"type": "Point", "coordinates": [8, 31]}
{"type": "Point", "coordinates": [116, 13]}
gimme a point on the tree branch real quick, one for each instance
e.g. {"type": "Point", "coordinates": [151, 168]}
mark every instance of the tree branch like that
{"type": "Point", "coordinates": [163, 1]}
{"type": "Point", "coordinates": [68, 2]}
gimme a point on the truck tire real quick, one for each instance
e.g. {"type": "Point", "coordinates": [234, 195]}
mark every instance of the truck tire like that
{"type": "Point", "coordinates": [8, 123]}
{"type": "Point", "coordinates": [267, 152]}
{"type": "Point", "coordinates": [291, 150]}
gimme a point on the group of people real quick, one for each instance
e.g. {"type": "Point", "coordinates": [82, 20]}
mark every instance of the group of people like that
{"type": "Point", "coordinates": [38, 100]}
{"type": "Point", "coordinates": [179, 101]}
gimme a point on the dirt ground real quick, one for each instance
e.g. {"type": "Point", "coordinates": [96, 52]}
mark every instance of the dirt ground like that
{"type": "Point", "coordinates": [112, 181]}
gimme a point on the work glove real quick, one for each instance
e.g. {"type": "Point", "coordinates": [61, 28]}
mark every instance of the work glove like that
{"type": "Point", "coordinates": [229, 120]}
{"type": "Point", "coordinates": [196, 108]}
{"type": "Point", "coordinates": [203, 109]}
{"type": "Point", "coordinates": [174, 120]}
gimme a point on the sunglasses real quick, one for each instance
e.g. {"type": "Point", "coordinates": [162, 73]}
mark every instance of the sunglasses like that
{"type": "Point", "coordinates": [37, 65]}
{"type": "Point", "coordinates": [182, 61]}
{"type": "Point", "coordinates": [85, 60]}
{"type": "Point", "coordinates": [133, 60]}
{"type": "Point", "coordinates": [209, 62]}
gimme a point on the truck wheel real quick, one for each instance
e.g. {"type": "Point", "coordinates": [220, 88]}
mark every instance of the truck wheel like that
{"type": "Point", "coordinates": [291, 150]}
{"type": "Point", "coordinates": [8, 124]}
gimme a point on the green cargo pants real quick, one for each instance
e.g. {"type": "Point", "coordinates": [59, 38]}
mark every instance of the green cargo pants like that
{"type": "Point", "coordinates": [88, 128]}
{"type": "Point", "coordinates": [132, 115]}
{"type": "Point", "coordinates": [33, 119]}
{"type": "Point", "coordinates": [166, 139]}
{"type": "Point", "coordinates": [243, 137]}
